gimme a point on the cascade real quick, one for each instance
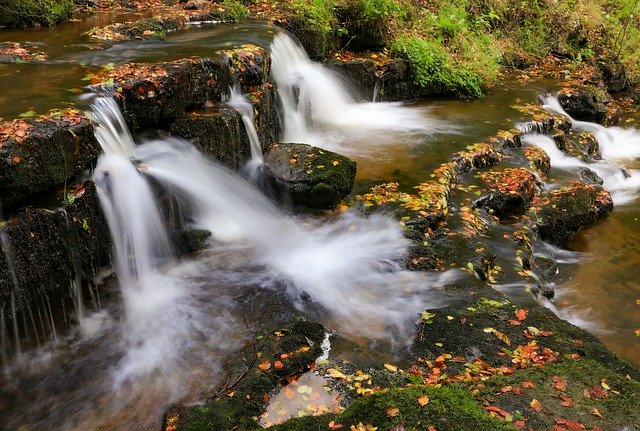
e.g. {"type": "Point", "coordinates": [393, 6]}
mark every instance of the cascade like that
{"type": "Point", "coordinates": [316, 107]}
{"type": "Point", "coordinates": [617, 145]}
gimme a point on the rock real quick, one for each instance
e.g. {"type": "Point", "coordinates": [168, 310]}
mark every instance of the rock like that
{"type": "Point", "coordinates": [563, 212]}
{"type": "Point", "coordinates": [145, 29]}
{"type": "Point", "coordinates": [196, 5]}
{"type": "Point", "coordinates": [220, 134]}
{"type": "Point", "coordinates": [13, 52]}
{"type": "Point", "coordinates": [507, 138]}
{"type": "Point", "coordinates": [538, 159]}
{"type": "Point", "coordinates": [590, 177]}
{"type": "Point", "coordinates": [309, 176]}
{"type": "Point", "coordinates": [48, 248]}
{"type": "Point", "coordinates": [360, 73]}
{"type": "Point", "coordinates": [477, 156]}
{"type": "Point", "coordinates": [265, 114]}
{"type": "Point", "coordinates": [40, 154]}
{"type": "Point", "coordinates": [249, 65]}
{"type": "Point", "coordinates": [155, 95]}
{"type": "Point", "coordinates": [586, 103]}
{"type": "Point", "coordinates": [316, 40]}
{"type": "Point", "coordinates": [512, 191]}
{"type": "Point", "coordinates": [189, 240]}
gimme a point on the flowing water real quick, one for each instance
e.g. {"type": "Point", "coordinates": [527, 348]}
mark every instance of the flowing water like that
{"type": "Point", "coordinates": [167, 325]}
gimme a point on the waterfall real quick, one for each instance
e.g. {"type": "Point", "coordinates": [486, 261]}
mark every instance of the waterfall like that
{"type": "Point", "coordinates": [617, 145]}
{"type": "Point", "coordinates": [240, 103]}
{"type": "Point", "coordinates": [316, 107]}
{"type": "Point", "coordinates": [349, 265]}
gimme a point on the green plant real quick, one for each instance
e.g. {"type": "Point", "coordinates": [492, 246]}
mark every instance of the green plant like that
{"type": "Point", "coordinates": [381, 10]}
{"type": "Point", "coordinates": [15, 13]}
{"type": "Point", "coordinates": [433, 67]}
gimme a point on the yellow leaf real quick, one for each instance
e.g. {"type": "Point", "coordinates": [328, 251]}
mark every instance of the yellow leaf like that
{"type": "Point", "coordinates": [392, 412]}
{"type": "Point", "coordinates": [535, 405]}
{"type": "Point", "coordinates": [596, 412]}
{"type": "Point", "coordinates": [391, 368]}
{"type": "Point", "coordinates": [604, 385]}
{"type": "Point", "coordinates": [423, 400]}
{"type": "Point", "coordinates": [335, 163]}
{"type": "Point", "coordinates": [488, 330]}
{"type": "Point", "coordinates": [336, 374]}
{"type": "Point", "coordinates": [637, 332]}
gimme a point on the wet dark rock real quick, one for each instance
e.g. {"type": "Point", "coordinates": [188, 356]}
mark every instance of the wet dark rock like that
{"type": "Point", "coordinates": [563, 212]}
{"type": "Point", "coordinates": [48, 248]}
{"type": "Point", "coordinates": [13, 52]}
{"type": "Point", "coordinates": [196, 5]}
{"type": "Point", "coordinates": [155, 95]}
{"type": "Point", "coordinates": [220, 134]}
{"type": "Point", "coordinates": [309, 176]}
{"type": "Point", "coordinates": [508, 138]}
{"type": "Point", "coordinates": [38, 155]}
{"type": "Point", "coordinates": [477, 156]}
{"type": "Point", "coordinates": [265, 114]}
{"type": "Point", "coordinates": [590, 177]}
{"type": "Point", "coordinates": [360, 74]}
{"type": "Point", "coordinates": [144, 29]}
{"type": "Point", "coordinates": [249, 65]}
{"type": "Point", "coordinates": [512, 191]}
{"type": "Point", "coordinates": [587, 103]}
{"type": "Point", "coordinates": [538, 159]}
{"type": "Point", "coordinates": [190, 240]}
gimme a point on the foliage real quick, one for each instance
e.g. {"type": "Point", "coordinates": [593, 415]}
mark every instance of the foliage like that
{"type": "Point", "coordinates": [15, 13]}
{"type": "Point", "coordinates": [317, 13]}
{"type": "Point", "coordinates": [381, 10]}
{"type": "Point", "coordinates": [230, 10]}
{"type": "Point", "coordinates": [433, 67]}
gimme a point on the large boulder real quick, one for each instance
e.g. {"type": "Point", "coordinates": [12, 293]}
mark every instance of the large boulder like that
{"type": "Point", "coordinates": [563, 212]}
{"type": "Point", "coordinates": [309, 176]}
{"type": "Point", "coordinates": [586, 103]}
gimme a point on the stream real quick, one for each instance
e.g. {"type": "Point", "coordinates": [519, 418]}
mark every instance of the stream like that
{"type": "Point", "coordinates": [166, 325]}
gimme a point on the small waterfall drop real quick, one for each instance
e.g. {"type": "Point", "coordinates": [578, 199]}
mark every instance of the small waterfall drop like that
{"type": "Point", "coordinates": [316, 108]}
{"type": "Point", "coordinates": [241, 104]}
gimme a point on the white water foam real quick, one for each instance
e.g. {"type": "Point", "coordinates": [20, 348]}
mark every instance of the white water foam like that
{"type": "Point", "coordinates": [316, 107]}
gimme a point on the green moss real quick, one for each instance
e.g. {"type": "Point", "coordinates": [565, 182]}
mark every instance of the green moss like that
{"type": "Point", "coordinates": [448, 408]}
{"type": "Point", "coordinates": [229, 10]}
{"type": "Point", "coordinates": [584, 382]}
{"type": "Point", "coordinates": [16, 13]}
{"type": "Point", "coordinates": [434, 68]}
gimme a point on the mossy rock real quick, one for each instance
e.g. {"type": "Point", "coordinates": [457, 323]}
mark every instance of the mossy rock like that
{"type": "Point", "coordinates": [237, 407]}
{"type": "Point", "coordinates": [511, 191]}
{"type": "Point", "coordinates": [318, 40]}
{"type": "Point", "coordinates": [445, 408]}
{"type": "Point", "coordinates": [249, 65]}
{"type": "Point", "coordinates": [579, 391]}
{"type": "Point", "coordinates": [19, 13]}
{"type": "Point", "coordinates": [220, 134]}
{"type": "Point", "coordinates": [538, 160]}
{"type": "Point", "coordinates": [488, 327]}
{"type": "Point", "coordinates": [562, 213]}
{"type": "Point", "coordinates": [41, 153]}
{"type": "Point", "coordinates": [309, 176]}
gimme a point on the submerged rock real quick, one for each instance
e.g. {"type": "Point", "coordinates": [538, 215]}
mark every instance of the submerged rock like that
{"type": "Point", "coordinates": [309, 176]}
{"type": "Point", "coordinates": [563, 212]}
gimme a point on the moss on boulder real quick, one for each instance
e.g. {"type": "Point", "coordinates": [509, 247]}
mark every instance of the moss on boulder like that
{"type": "Point", "coordinates": [309, 176]}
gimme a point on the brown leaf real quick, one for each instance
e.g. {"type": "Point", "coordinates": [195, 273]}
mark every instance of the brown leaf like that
{"type": "Point", "coordinates": [392, 412]}
{"type": "Point", "coordinates": [567, 401]}
{"type": "Point", "coordinates": [423, 400]}
{"type": "Point", "coordinates": [559, 384]}
{"type": "Point", "coordinates": [528, 384]}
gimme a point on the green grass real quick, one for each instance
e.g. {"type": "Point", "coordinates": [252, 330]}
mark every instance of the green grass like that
{"type": "Point", "coordinates": [16, 13]}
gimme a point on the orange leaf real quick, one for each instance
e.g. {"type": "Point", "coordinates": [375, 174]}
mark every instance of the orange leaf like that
{"type": "Point", "coordinates": [264, 365]}
{"type": "Point", "coordinates": [521, 313]}
{"type": "Point", "coordinates": [535, 405]}
{"type": "Point", "coordinates": [334, 426]}
{"type": "Point", "coordinates": [528, 384]}
{"type": "Point", "coordinates": [559, 384]}
{"type": "Point", "coordinates": [278, 364]}
{"type": "Point", "coordinates": [567, 401]}
{"type": "Point", "coordinates": [423, 400]}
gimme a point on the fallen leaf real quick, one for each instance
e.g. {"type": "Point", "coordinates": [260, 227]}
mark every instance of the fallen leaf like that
{"type": "Point", "coordinates": [391, 368]}
{"type": "Point", "coordinates": [535, 405]}
{"type": "Point", "coordinates": [423, 400]}
{"type": "Point", "coordinates": [528, 384]}
{"type": "Point", "coordinates": [278, 364]}
{"type": "Point", "coordinates": [596, 412]}
{"type": "Point", "coordinates": [392, 412]}
{"type": "Point", "coordinates": [559, 384]}
{"type": "Point", "coordinates": [333, 426]}
{"type": "Point", "coordinates": [521, 313]}
{"type": "Point", "coordinates": [567, 401]}
{"type": "Point", "coordinates": [264, 365]}
{"type": "Point", "coordinates": [336, 374]}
